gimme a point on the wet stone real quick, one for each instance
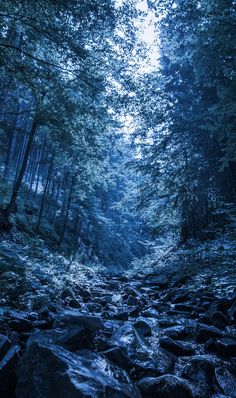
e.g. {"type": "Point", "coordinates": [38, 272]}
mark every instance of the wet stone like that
{"type": "Point", "coordinates": [225, 347]}
{"type": "Point", "coordinates": [143, 328]}
{"type": "Point", "coordinates": [175, 332]}
{"type": "Point", "coordinates": [4, 345]}
{"type": "Point", "coordinates": [205, 333]}
{"type": "Point", "coordinates": [50, 371]}
{"type": "Point", "coordinates": [177, 348]}
{"type": "Point", "coordinates": [167, 386]}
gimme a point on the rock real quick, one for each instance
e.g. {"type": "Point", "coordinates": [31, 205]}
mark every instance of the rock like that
{"type": "Point", "coordinates": [201, 370]}
{"type": "Point", "coordinates": [165, 362]}
{"type": "Point", "coordinates": [226, 379]}
{"type": "Point", "coordinates": [134, 311]}
{"type": "Point", "coordinates": [150, 313]}
{"type": "Point", "coordinates": [232, 310]}
{"type": "Point", "coordinates": [75, 338]}
{"type": "Point", "coordinates": [175, 332]}
{"type": "Point", "coordinates": [217, 319]}
{"type": "Point", "coordinates": [157, 280]}
{"type": "Point", "coordinates": [166, 322]}
{"type": "Point", "coordinates": [204, 333]}
{"type": "Point", "coordinates": [167, 386]}
{"type": "Point", "coordinates": [71, 338]}
{"type": "Point", "coordinates": [119, 357]}
{"type": "Point", "coordinates": [20, 325]}
{"type": "Point", "coordinates": [176, 348]}
{"type": "Point", "coordinates": [180, 298]}
{"type": "Point", "coordinates": [4, 345]}
{"type": "Point", "coordinates": [225, 347]}
{"type": "Point", "coordinates": [73, 317]}
{"type": "Point", "coordinates": [101, 344]}
{"type": "Point", "coordinates": [67, 292]}
{"type": "Point", "coordinates": [44, 313]}
{"type": "Point", "coordinates": [51, 371]}
{"type": "Point", "coordinates": [43, 324]}
{"type": "Point", "coordinates": [220, 304]}
{"type": "Point", "coordinates": [94, 307]}
{"type": "Point", "coordinates": [8, 371]}
{"type": "Point", "coordinates": [69, 295]}
{"type": "Point", "coordinates": [132, 300]}
{"type": "Point", "coordinates": [143, 328]}
{"type": "Point", "coordinates": [121, 315]}
{"type": "Point", "coordinates": [185, 307]}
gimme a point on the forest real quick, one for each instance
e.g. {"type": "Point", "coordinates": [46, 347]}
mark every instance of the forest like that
{"type": "Point", "coordinates": [117, 199]}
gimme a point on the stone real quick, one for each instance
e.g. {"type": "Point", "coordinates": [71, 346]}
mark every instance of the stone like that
{"type": "Point", "coordinates": [232, 310]}
{"type": "Point", "coordinates": [20, 325]}
{"type": "Point", "coordinates": [72, 338]}
{"type": "Point", "coordinates": [175, 332]}
{"type": "Point", "coordinates": [73, 317]}
{"type": "Point", "coordinates": [150, 313]}
{"type": "Point", "coordinates": [50, 371]}
{"type": "Point", "coordinates": [4, 345]}
{"type": "Point", "coordinates": [167, 386]}
{"type": "Point", "coordinates": [118, 356]}
{"type": "Point", "coordinates": [143, 328]}
{"type": "Point", "coordinates": [204, 333]}
{"type": "Point", "coordinates": [75, 338]}
{"type": "Point", "coordinates": [8, 371]}
{"type": "Point", "coordinates": [226, 379]}
{"type": "Point", "coordinates": [42, 324]}
{"type": "Point", "coordinates": [180, 298]}
{"type": "Point", "coordinates": [121, 315]}
{"type": "Point", "coordinates": [225, 347]}
{"type": "Point", "coordinates": [201, 370]}
{"type": "Point", "coordinates": [220, 304]}
{"type": "Point", "coordinates": [157, 280]}
{"type": "Point", "coordinates": [165, 361]}
{"type": "Point", "coordinates": [185, 307]}
{"type": "Point", "coordinates": [176, 348]}
{"type": "Point", "coordinates": [132, 300]}
{"type": "Point", "coordinates": [217, 319]}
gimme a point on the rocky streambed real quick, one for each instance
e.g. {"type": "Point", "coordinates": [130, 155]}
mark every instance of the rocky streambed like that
{"type": "Point", "coordinates": [157, 336]}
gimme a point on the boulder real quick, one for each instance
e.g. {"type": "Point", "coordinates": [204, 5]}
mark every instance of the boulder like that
{"type": "Point", "coordinates": [20, 325]}
{"type": "Point", "coordinates": [8, 371]}
{"type": "Point", "coordinates": [165, 362]}
{"type": "Point", "coordinates": [118, 356]}
{"type": "Point", "coordinates": [132, 300]}
{"type": "Point", "coordinates": [50, 371]}
{"type": "Point", "coordinates": [157, 280]}
{"type": "Point", "coordinates": [201, 370]}
{"type": "Point", "coordinates": [4, 345]}
{"type": "Point", "coordinates": [121, 315]}
{"type": "Point", "coordinates": [232, 310]}
{"type": "Point", "coordinates": [167, 386]}
{"type": "Point", "coordinates": [204, 333]}
{"type": "Point", "coordinates": [216, 318]}
{"type": "Point", "coordinates": [71, 338]}
{"type": "Point", "coordinates": [225, 347]}
{"type": "Point", "coordinates": [150, 313]}
{"type": "Point", "coordinates": [176, 348]}
{"type": "Point", "coordinates": [143, 328]}
{"type": "Point", "coordinates": [175, 332]}
{"type": "Point", "coordinates": [226, 379]}
{"type": "Point", "coordinates": [73, 317]}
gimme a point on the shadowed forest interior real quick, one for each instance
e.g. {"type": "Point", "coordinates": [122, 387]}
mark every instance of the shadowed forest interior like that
{"type": "Point", "coordinates": [117, 198]}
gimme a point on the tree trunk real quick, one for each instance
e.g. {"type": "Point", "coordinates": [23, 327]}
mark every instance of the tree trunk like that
{"type": "Point", "coordinates": [73, 181]}
{"type": "Point", "coordinates": [17, 184]}
{"type": "Point", "coordinates": [45, 190]}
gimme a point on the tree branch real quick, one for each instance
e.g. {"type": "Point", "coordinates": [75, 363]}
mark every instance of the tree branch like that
{"type": "Point", "coordinates": [9, 46]}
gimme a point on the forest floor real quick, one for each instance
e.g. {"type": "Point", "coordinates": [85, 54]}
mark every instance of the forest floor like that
{"type": "Point", "coordinates": [68, 331]}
